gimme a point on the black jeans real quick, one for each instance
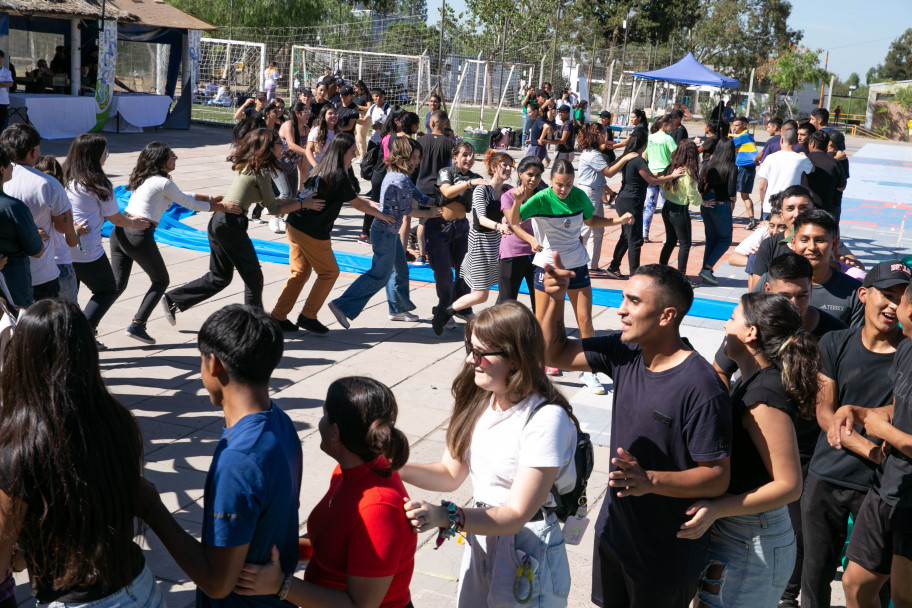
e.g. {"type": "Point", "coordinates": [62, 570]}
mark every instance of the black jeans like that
{"type": "Point", "coordinates": [794, 508]}
{"type": "Point", "coordinates": [99, 278]}
{"type": "Point", "coordinates": [128, 246]}
{"type": "Point", "coordinates": [513, 271]}
{"type": "Point", "coordinates": [677, 231]}
{"type": "Point", "coordinates": [231, 248]}
{"type": "Point", "coordinates": [51, 289]}
{"type": "Point", "coordinates": [613, 586]}
{"type": "Point", "coordinates": [446, 244]}
{"type": "Point", "coordinates": [631, 239]}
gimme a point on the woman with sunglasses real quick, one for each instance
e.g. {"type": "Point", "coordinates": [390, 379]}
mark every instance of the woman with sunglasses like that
{"type": "Point", "coordinates": [254, 160]}
{"type": "Point", "coordinates": [514, 460]}
{"type": "Point", "coordinates": [479, 267]}
{"type": "Point", "coordinates": [152, 193]}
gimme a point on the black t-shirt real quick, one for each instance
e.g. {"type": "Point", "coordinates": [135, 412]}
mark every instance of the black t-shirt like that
{"type": "Point", "coordinates": [319, 224]}
{"type": "Point", "coordinates": [452, 175]}
{"type": "Point", "coordinates": [862, 378]}
{"type": "Point", "coordinates": [747, 469]}
{"type": "Point", "coordinates": [893, 479]}
{"type": "Point", "coordinates": [826, 177]}
{"type": "Point", "coordinates": [347, 117]}
{"type": "Point", "coordinates": [568, 147]}
{"type": "Point", "coordinates": [634, 186]}
{"type": "Point", "coordinates": [315, 108]}
{"type": "Point", "coordinates": [360, 100]}
{"type": "Point", "coordinates": [838, 297]}
{"type": "Point", "coordinates": [437, 154]}
{"type": "Point", "coordinates": [679, 134]}
{"type": "Point", "coordinates": [769, 249]}
{"type": "Point", "coordinates": [536, 130]}
{"type": "Point", "coordinates": [709, 146]}
{"type": "Point", "coordinates": [669, 421]}
{"type": "Point", "coordinates": [723, 189]}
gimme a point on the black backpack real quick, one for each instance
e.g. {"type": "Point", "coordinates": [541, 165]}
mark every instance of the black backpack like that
{"type": "Point", "coordinates": [371, 157]}
{"type": "Point", "coordinates": [583, 459]}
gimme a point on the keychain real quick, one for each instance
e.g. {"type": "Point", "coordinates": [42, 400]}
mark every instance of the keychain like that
{"type": "Point", "coordinates": [575, 526]}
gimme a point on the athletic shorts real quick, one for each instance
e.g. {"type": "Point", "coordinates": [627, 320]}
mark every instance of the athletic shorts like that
{"type": "Point", "coordinates": [746, 179]}
{"type": "Point", "coordinates": [580, 281]}
{"type": "Point", "coordinates": [880, 532]}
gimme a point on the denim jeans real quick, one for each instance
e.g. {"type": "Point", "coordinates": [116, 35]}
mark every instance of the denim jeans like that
{"type": "Point", "coordinates": [143, 592]}
{"type": "Point", "coordinates": [653, 196]}
{"type": "Point", "coordinates": [757, 553]}
{"type": "Point", "coordinates": [389, 269]}
{"type": "Point", "coordinates": [69, 286]}
{"type": "Point", "coordinates": [525, 129]}
{"type": "Point", "coordinates": [489, 565]}
{"type": "Point", "coordinates": [717, 221]}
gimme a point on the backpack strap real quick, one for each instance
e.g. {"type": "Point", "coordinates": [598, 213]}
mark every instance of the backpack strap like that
{"type": "Point", "coordinates": [554, 493]}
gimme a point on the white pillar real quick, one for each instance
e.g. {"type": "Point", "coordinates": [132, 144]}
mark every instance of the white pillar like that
{"type": "Point", "coordinates": [750, 93]}
{"type": "Point", "coordinates": [262, 75]}
{"type": "Point", "coordinates": [161, 68]}
{"type": "Point", "coordinates": [75, 57]}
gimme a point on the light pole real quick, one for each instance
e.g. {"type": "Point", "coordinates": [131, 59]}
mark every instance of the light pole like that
{"type": "Point", "coordinates": [849, 110]}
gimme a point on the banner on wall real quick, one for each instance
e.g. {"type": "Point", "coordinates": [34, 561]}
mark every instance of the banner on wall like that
{"type": "Point", "coordinates": [194, 39]}
{"type": "Point", "coordinates": [107, 63]}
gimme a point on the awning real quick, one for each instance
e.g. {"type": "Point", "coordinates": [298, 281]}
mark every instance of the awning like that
{"type": "Point", "coordinates": [690, 71]}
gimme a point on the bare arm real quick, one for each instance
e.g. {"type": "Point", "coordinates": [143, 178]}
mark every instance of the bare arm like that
{"type": "Point", "coordinates": [239, 114]}
{"type": "Point", "coordinates": [365, 207]}
{"type": "Point", "coordinates": [652, 180]}
{"type": "Point", "coordinates": [619, 164]}
{"type": "Point", "coordinates": [122, 221]}
{"type": "Point", "coordinates": [603, 222]}
{"type": "Point", "coordinates": [63, 224]}
{"type": "Point", "coordinates": [520, 196]}
{"type": "Point", "coordinates": [560, 351]}
{"type": "Point", "coordinates": [826, 410]}
{"type": "Point", "coordinates": [762, 184]}
{"type": "Point", "coordinates": [444, 476]}
{"type": "Point", "coordinates": [454, 190]}
{"type": "Point", "coordinates": [309, 148]}
{"type": "Point", "coordinates": [705, 479]}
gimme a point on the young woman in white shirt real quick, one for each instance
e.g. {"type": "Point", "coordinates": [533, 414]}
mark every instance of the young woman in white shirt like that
{"type": "Point", "coordinates": [514, 462]}
{"type": "Point", "coordinates": [152, 194]}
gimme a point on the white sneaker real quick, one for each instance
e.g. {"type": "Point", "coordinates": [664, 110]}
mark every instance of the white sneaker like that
{"type": "Point", "coordinates": [592, 383]}
{"type": "Point", "coordinates": [257, 221]}
{"type": "Point", "coordinates": [404, 316]}
{"type": "Point", "coordinates": [277, 225]}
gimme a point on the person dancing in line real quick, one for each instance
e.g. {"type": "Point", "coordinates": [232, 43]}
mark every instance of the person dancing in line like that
{"type": "Point", "coordinates": [321, 134]}
{"type": "Point", "coordinates": [515, 263]}
{"type": "Point", "coordinates": [391, 128]}
{"type": "Point", "coordinates": [593, 168]}
{"type": "Point", "coordinates": [388, 266]}
{"type": "Point", "coordinates": [718, 185]}
{"type": "Point", "coordinates": [558, 214]}
{"type": "Point", "coordinates": [69, 286]}
{"type": "Point", "coordinates": [309, 231]}
{"type": "Point", "coordinates": [679, 194]}
{"type": "Point", "coordinates": [515, 461]}
{"type": "Point", "coordinates": [659, 148]}
{"type": "Point", "coordinates": [294, 133]}
{"type": "Point", "coordinates": [152, 195]}
{"type": "Point", "coordinates": [72, 526]}
{"type": "Point", "coordinates": [92, 196]}
{"type": "Point", "coordinates": [752, 546]}
{"type": "Point", "coordinates": [479, 268]}
{"type": "Point", "coordinates": [254, 160]}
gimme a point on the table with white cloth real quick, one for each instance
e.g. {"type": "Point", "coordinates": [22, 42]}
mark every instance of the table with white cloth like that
{"type": "Point", "coordinates": [54, 116]}
{"type": "Point", "coordinates": [130, 112]}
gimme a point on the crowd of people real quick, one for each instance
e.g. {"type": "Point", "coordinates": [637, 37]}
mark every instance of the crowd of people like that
{"type": "Point", "coordinates": [731, 482]}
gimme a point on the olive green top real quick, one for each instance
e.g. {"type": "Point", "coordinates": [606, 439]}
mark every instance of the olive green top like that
{"type": "Point", "coordinates": [250, 188]}
{"type": "Point", "coordinates": [686, 192]}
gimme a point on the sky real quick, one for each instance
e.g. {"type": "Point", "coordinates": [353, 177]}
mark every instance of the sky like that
{"type": "Point", "coordinates": [857, 39]}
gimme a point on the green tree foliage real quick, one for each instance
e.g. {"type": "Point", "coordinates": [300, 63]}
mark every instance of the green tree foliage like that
{"type": "Point", "coordinates": [281, 13]}
{"type": "Point", "coordinates": [853, 80]}
{"type": "Point", "coordinates": [796, 67]}
{"type": "Point", "coordinates": [897, 65]}
{"type": "Point", "coordinates": [871, 76]}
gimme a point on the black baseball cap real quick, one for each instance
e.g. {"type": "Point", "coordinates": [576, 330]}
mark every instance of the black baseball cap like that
{"type": "Point", "coordinates": [677, 113]}
{"type": "Point", "coordinates": [564, 108]}
{"type": "Point", "coordinates": [837, 138]}
{"type": "Point", "coordinates": [604, 114]}
{"type": "Point", "coordinates": [887, 274]}
{"type": "Point", "coordinates": [347, 90]}
{"type": "Point", "coordinates": [305, 91]}
{"type": "Point", "coordinates": [542, 93]}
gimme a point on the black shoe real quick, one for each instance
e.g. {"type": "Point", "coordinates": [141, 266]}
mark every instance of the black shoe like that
{"type": "Point", "coordinates": [312, 325]}
{"type": "Point", "coordinates": [614, 273]}
{"type": "Point", "coordinates": [288, 327]}
{"type": "Point", "coordinates": [137, 331]}
{"type": "Point", "coordinates": [98, 344]}
{"type": "Point", "coordinates": [439, 320]}
{"type": "Point", "coordinates": [409, 257]}
{"type": "Point", "coordinates": [752, 224]}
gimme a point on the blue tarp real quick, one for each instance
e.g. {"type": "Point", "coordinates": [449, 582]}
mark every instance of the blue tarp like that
{"type": "Point", "coordinates": [690, 71]}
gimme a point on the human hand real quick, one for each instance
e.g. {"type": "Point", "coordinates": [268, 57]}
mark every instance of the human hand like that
{"type": "Point", "coordinates": [386, 219]}
{"type": "Point", "coordinates": [536, 247]}
{"type": "Point", "coordinates": [139, 223]}
{"type": "Point", "coordinates": [627, 218]}
{"type": "Point", "coordinates": [232, 208]}
{"type": "Point", "coordinates": [504, 229]}
{"type": "Point", "coordinates": [850, 261]}
{"type": "Point", "coordinates": [314, 204]}
{"type": "Point", "coordinates": [44, 235]}
{"type": "Point", "coordinates": [81, 229]}
{"type": "Point", "coordinates": [424, 516]}
{"type": "Point", "coordinates": [556, 279]}
{"type": "Point", "coordinates": [216, 198]}
{"type": "Point", "coordinates": [630, 155]}
{"type": "Point", "coordinates": [478, 181]}
{"type": "Point", "coordinates": [266, 579]}
{"type": "Point", "coordinates": [435, 212]}
{"type": "Point", "coordinates": [843, 422]}
{"type": "Point", "coordinates": [630, 478]}
{"type": "Point", "coordinates": [875, 422]}
{"type": "Point", "coordinates": [703, 515]}
{"type": "Point", "coordinates": [679, 172]}
{"type": "Point", "coordinates": [698, 141]}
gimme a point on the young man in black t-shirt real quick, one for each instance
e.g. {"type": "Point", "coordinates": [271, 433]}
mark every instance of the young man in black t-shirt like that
{"type": "Point", "coordinates": [678, 131]}
{"type": "Point", "coordinates": [347, 110]}
{"type": "Point", "coordinates": [670, 429]}
{"type": "Point", "coordinates": [855, 370]}
{"type": "Point", "coordinates": [437, 154]}
{"type": "Point", "coordinates": [827, 179]}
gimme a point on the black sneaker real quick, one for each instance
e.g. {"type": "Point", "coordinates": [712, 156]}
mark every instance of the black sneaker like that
{"type": "Point", "coordinates": [439, 320]}
{"type": "Point", "coordinates": [288, 327]}
{"type": "Point", "coordinates": [465, 315]}
{"type": "Point", "coordinates": [137, 331]}
{"type": "Point", "coordinates": [614, 273]}
{"type": "Point", "coordinates": [170, 309]}
{"type": "Point", "coordinates": [98, 344]}
{"type": "Point", "coordinates": [410, 257]}
{"type": "Point", "coordinates": [312, 325]}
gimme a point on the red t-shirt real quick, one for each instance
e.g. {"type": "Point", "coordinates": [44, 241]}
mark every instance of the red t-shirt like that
{"type": "Point", "coordinates": [363, 533]}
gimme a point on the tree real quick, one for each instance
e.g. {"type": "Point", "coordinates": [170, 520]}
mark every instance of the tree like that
{"type": "Point", "coordinates": [853, 80]}
{"type": "Point", "coordinates": [871, 76]}
{"type": "Point", "coordinates": [793, 68]}
{"type": "Point", "coordinates": [897, 65]}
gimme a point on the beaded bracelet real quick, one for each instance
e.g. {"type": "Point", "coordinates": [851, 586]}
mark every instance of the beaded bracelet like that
{"type": "Point", "coordinates": [283, 592]}
{"type": "Point", "coordinates": [456, 517]}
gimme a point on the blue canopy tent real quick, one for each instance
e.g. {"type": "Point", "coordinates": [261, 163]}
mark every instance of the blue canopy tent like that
{"type": "Point", "coordinates": [690, 71]}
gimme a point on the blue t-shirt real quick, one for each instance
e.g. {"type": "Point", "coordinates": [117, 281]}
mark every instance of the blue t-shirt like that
{"type": "Point", "coordinates": [19, 239]}
{"type": "Point", "coordinates": [251, 496]}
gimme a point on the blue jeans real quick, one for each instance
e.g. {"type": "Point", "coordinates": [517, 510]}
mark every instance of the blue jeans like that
{"type": "Point", "coordinates": [757, 553]}
{"type": "Point", "coordinates": [525, 129]}
{"type": "Point", "coordinates": [388, 268]}
{"type": "Point", "coordinates": [69, 286]}
{"type": "Point", "coordinates": [143, 592]}
{"type": "Point", "coordinates": [653, 196]}
{"type": "Point", "coordinates": [717, 221]}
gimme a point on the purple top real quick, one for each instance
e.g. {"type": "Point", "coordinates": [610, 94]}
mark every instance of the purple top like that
{"type": "Point", "coordinates": [511, 246]}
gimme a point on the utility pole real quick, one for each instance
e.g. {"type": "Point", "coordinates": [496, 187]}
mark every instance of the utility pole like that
{"type": "Point", "coordinates": [440, 53]}
{"type": "Point", "coordinates": [822, 83]}
{"type": "Point", "coordinates": [554, 40]}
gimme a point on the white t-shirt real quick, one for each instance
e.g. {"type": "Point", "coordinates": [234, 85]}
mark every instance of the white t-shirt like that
{"type": "Point", "coordinates": [61, 249]}
{"type": "Point", "coordinates": [753, 240]}
{"type": "Point", "coordinates": [502, 442]}
{"type": "Point", "coordinates": [45, 197]}
{"type": "Point", "coordinates": [87, 207]}
{"type": "Point", "coordinates": [155, 195]}
{"type": "Point", "coordinates": [5, 76]}
{"type": "Point", "coordinates": [377, 114]}
{"type": "Point", "coordinates": [782, 169]}
{"type": "Point", "coordinates": [312, 136]}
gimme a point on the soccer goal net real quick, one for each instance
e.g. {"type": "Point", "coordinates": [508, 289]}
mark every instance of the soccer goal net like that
{"type": "Point", "coordinates": [228, 69]}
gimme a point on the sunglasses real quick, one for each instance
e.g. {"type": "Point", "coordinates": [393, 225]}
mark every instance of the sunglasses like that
{"type": "Point", "coordinates": [478, 357]}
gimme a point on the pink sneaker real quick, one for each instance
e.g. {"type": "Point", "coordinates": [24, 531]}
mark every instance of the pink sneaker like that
{"type": "Point", "coordinates": [552, 371]}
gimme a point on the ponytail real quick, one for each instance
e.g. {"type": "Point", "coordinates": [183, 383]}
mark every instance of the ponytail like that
{"type": "Point", "coordinates": [384, 438]}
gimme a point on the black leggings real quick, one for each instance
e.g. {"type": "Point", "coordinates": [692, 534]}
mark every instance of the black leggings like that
{"type": "Point", "coordinates": [677, 228]}
{"type": "Point", "coordinates": [128, 246]}
{"type": "Point", "coordinates": [631, 238]}
{"type": "Point", "coordinates": [99, 278]}
{"type": "Point", "coordinates": [513, 271]}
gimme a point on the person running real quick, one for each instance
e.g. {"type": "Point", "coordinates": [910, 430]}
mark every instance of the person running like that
{"type": "Point", "coordinates": [593, 168]}
{"type": "Point", "coordinates": [752, 547]}
{"type": "Point", "coordinates": [671, 432]}
{"type": "Point", "coordinates": [388, 266]}
{"type": "Point", "coordinates": [717, 186]}
{"type": "Point", "coordinates": [152, 193]}
{"type": "Point", "coordinates": [309, 231]}
{"type": "Point", "coordinates": [679, 194]}
{"type": "Point", "coordinates": [631, 199]}
{"type": "Point", "coordinates": [73, 527]}
{"type": "Point", "coordinates": [92, 196]}
{"type": "Point", "coordinates": [359, 543]}
{"type": "Point", "coordinates": [515, 260]}
{"type": "Point", "coordinates": [558, 214]}
{"type": "Point", "coordinates": [254, 160]}
{"type": "Point", "coordinates": [480, 266]}
{"type": "Point", "coordinates": [745, 155]}
{"type": "Point", "coordinates": [515, 460]}
{"type": "Point", "coordinates": [659, 148]}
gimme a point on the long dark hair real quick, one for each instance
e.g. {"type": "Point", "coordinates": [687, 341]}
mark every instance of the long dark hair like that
{"type": "Point", "coordinates": [687, 155]}
{"type": "Point", "coordinates": [151, 161]}
{"type": "Point", "coordinates": [365, 411]}
{"type": "Point", "coordinates": [410, 123]}
{"type": "Point", "coordinates": [322, 127]}
{"type": "Point", "coordinates": [333, 161]}
{"type": "Point", "coordinates": [512, 328]}
{"type": "Point", "coordinates": [785, 344]}
{"type": "Point", "coordinates": [299, 106]}
{"type": "Point", "coordinates": [71, 452]}
{"type": "Point", "coordinates": [393, 122]}
{"type": "Point", "coordinates": [83, 165]}
{"type": "Point", "coordinates": [253, 153]}
{"type": "Point", "coordinates": [636, 142]}
{"type": "Point", "coordinates": [722, 162]}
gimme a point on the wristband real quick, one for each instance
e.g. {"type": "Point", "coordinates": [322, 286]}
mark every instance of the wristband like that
{"type": "Point", "coordinates": [456, 517]}
{"type": "Point", "coordinates": [283, 591]}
